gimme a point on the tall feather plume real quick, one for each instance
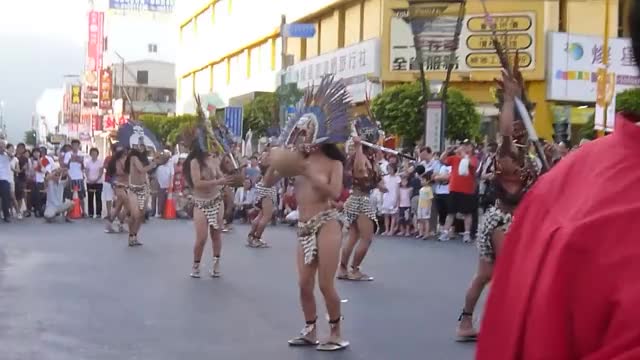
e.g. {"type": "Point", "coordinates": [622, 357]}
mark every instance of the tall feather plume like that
{"type": "Point", "coordinates": [331, 101]}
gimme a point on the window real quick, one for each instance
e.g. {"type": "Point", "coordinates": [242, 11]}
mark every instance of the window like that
{"type": "Point", "coordinates": [142, 77]}
{"type": "Point", "coordinates": [152, 48]}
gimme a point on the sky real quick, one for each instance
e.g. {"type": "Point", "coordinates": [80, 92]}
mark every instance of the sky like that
{"type": "Point", "coordinates": [40, 41]}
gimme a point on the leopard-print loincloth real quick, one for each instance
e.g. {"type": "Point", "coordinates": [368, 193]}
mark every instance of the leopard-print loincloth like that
{"type": "Point", "coordinates": [494, 219]}
{"type": "Point", "coordinates": [308, 232]}
{"type": "Point", "coordinates": [356, 205]}
{"type": "Point", "coordinates": [210, 208]}
{"type": "Point", "coordinates": [141, 192]}
{"type": "Point", "coordinates": [265, 192]}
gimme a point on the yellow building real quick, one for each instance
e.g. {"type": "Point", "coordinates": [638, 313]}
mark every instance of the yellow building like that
{"type": "Point", "coordinates": [231, 48]}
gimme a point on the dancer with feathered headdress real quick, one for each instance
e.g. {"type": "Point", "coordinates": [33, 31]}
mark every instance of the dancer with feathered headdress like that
{"type": "Point", "coordinates": [360, 214]}
{"type": "Point", "coordinates": [312, 156]}
{"type": "Point", "coordinates": [203, 175]}
{"type": "Point", "coordinates": [516, 171]}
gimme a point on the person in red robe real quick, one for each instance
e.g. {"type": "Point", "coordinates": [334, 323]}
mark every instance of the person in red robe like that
{"type": "Point", "coordinates": [566, 283]}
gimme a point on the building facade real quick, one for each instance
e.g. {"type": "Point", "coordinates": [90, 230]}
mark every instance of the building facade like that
{"type": "Point", "coordinates": [369, 43]}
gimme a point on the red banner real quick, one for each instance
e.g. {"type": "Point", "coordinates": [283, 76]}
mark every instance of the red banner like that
{"type": "Point", "coordinates": [109, 122]}
{"type": "Point", "coordinates": [96, 124]}
{"type": "Point", "coordinates": [105, 89]}
{"type": "Point", "coordinates": [96, 41]}
{"type": "Point", "coordinates": [123, 120]}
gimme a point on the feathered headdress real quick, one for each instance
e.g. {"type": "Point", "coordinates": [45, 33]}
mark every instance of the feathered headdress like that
{"type": "Point", "coordinates": [204, 134]}
{"type": "Point", "coordinates": [366, 126]}
{"type": "Point", "coordinates": [321, 116]}
{"type": "Point", "coordinates": [225, 139]}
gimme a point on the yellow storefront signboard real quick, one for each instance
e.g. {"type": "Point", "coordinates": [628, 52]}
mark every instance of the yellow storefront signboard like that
{"type": "Point", "coordinates": [503, 23]}
{"type": "Point", "coordinates": [491, 60]}
{"type": "Point", "coordinates": [511, 42]}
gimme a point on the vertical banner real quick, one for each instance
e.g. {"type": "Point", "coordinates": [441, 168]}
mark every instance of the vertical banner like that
{"type": "Point", "coordinates": [233, 120]}
{"type": "Point", "coordinates": [96, 123]}
{"type": "Point", "coordinates": [96, 39]}
{"type": "Point", "coordinates": [105, 89]}
{"type": "Point", "coordinates": [433, 122]}
{"type": "Point", "coordinates": [76, 91]}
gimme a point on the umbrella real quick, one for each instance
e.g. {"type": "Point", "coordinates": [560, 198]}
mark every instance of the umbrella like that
{"type": "Point", "coordinates": [133, 133]}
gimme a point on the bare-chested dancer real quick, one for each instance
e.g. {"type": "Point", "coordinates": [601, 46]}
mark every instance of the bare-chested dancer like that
{"type": "Point", "coordinates": [266, 200]}
{"type": "Point", "coordinates": [137, 166]}
{"type": "Point", "coordinates": [120, 183]}
{"type": "Point", "coordinates": [228, 192]}
{"type": "Point", "coordinates": [320, 123]}
{"type": "Point", "coordinates": [361, 216]}
{"type": "Point", "coordinates": [203, 175]}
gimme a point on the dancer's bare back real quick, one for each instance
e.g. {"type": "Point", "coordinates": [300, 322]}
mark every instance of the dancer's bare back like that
{"type": "Point", "coordinates": [121, 175]}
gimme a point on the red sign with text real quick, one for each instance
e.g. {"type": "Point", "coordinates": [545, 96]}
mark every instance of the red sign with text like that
{"type": "Point", "coordinates": [109, 122]}
{"type": "Point", "coordinates": [96, 41]}
{"type": "Point", "coordinates": [96, 123]}
{"type": "Point", "coordinates": [105, 89]}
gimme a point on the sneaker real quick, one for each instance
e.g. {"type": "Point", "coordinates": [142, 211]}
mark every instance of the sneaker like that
{"type": "Point", "coordinates": [444, 237]}
{"type": "Point", "coordinates": [466, 238]}
{"type": "Point", "coordinates": [108, 227]}
{"type": "Point", "coordinates": [215, 269]}
{"type": "Point", "coordinates": [19, 216]}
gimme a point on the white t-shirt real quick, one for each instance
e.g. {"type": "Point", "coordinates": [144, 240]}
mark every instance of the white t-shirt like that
{"type": "Point", "coordinates": [442, 189]}
{"type": "Point", "coordinates": [13, 165]}
{"type": "Point", "coordinates": [5, 168]}
{"type": "Point", "coordinates": [75, 168]}
{"type": "Point", "coordinates": [93, 170]}
{"type": "Point", "coordinates": [40, 175]}
{"type": "Point", "coordinates": [163, 175]}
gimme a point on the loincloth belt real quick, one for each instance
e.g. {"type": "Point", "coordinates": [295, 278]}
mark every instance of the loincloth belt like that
{"type": "Point", "coordinates": [494, 219]}
{"type": "Point", "coordinates": [210, 208]}
{"type": "Point", "coordinates": [265, 192]}
{"type": "Point", "coordinates": [141, 192]}
{"type": "Point", "coordinates": [356, 205]}
{"type": "Point", "coordinates": [308, 232]}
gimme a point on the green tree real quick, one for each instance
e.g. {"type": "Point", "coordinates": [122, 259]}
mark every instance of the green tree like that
{"type": "Point", "coordinates": [261, 113]}
{"type": "Point", "coordinates": [463, 120]}
{"type": "Point", "coordinates": [31, 137]}
{"type": "Point", "coordinates": [628, 101]}
{"type": "Point", "coordinates": [588, 130]}
{"type": "Point", "coordinates": [400, 111]}
{"type": "Point", "coordinates": [168, 128]}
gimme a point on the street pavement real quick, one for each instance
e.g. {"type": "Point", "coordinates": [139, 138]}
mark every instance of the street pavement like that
{"type": "Point", "coordinates": [72, 292]}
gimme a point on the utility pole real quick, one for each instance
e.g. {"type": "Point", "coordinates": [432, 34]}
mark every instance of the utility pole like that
{"type": "Point", "coordinates": [121, 92]}
{"type": "Point", "coordinates": [283, 70]}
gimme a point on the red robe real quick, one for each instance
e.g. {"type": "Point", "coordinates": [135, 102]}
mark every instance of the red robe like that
{"type": "Point", "coordinates": [567, 282]}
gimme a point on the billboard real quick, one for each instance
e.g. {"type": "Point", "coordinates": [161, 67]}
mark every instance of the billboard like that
{"type": "Point", "coordinates": [143, 5]}
{"type": "Point", "coordinates": [574, 60]}
{"type": "Point", "coordinates": [105, 89]}
{"type": "Point", "coordinates": [76, 91]}
{"type": "Point", "coordinates": [516, 31]}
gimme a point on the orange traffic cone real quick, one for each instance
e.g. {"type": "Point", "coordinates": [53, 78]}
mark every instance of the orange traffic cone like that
{"type": "Point", "coordinates": [170, 206]}
{"type": "Point", "coordinates": [76, 211]}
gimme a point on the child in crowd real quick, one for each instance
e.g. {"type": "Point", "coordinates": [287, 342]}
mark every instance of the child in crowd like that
{"type": "Point", "coordinates": [404, 206]}
{"type": "Point", "coordinates": [424, 206]}
{"type": "Point", "coordinates": [390, 201]}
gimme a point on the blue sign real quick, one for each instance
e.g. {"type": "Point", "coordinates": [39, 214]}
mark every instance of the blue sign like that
{"type": "Point", "coordinates": [233, 120]}
{"type": "Point", "coordinates": [143, 5]}
{"type": "Point", "coordinates": [299, 30]}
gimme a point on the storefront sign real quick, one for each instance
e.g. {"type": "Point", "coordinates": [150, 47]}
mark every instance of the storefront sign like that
{"type": "Point", "coordinates": [516, 31]}
{"type": "Point", "coordinates": [353, 64]}
{"type": "Point", "coordinates": [109, 122]}
{"type": "Point", "coordinates": [433, 121]}
{"type": "Point", "coordinates": [105, 89]}
{"type": "Point", "coordinates": [143, 5]}
{"type": "Point", "coordinates": [574, 63]}
{"type": "Point", "coordinates": [96, 123]}
{"type": "Point", "coordinates": [76, 91]}
{"type": "Point", "coordinates": [434, 26]}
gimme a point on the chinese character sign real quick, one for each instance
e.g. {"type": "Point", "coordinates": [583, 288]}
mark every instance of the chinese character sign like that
{"type": "Point", "coordinates": [96, 41]}
{"type": "Point", "coordinates": [75, 94]}
{"type": "Point", "coordinates": [143, 5]}
{"type": "Point", "coordinates": [572, 70]}
{"type": "Point", "coordinates": [433, 33]}
{"type": "Point", "coordinates": [105, 89]}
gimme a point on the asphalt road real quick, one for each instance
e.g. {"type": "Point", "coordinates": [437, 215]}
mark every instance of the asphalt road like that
{"type": "Point", "coordinates": [71, 292]}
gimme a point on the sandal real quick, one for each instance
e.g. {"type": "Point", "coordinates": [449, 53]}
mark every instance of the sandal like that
{"type": "Point", "coordinates": [332, 345]}
{"type": "Point", "coordinates": [215, 273]}
{"type": "Point", "coordinates": [358, 277]}
{"type": "Point", "coordinates": [303, 339]}
{"type": "Point", "coordinates": [466, 336]}
{"type": "Point", "coordinates": [343, 274]}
